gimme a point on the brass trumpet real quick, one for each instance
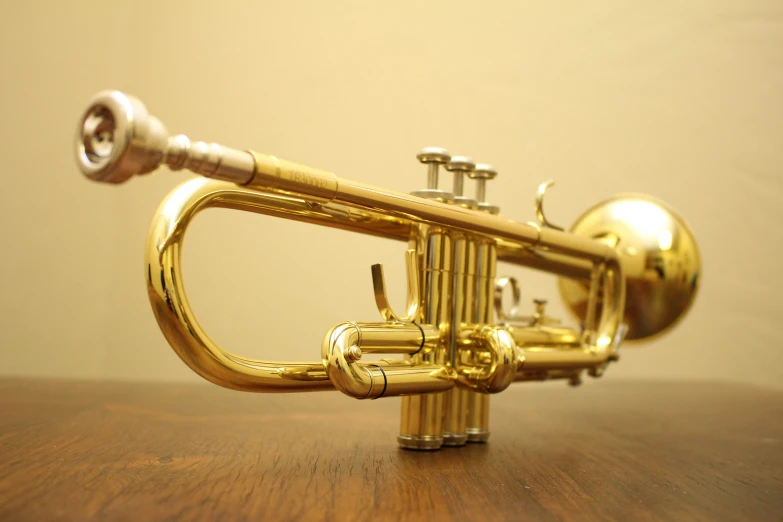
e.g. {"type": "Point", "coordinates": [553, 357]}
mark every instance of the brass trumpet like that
{"type": "Point", "coordinates": [629, 269]}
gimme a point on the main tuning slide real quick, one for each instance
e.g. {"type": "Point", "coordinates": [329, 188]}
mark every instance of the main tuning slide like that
{"type": "Point", "coordinates": [628, 270]}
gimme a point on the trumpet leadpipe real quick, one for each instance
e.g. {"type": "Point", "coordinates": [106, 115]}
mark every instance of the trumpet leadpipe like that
{"type": "Point", "coordinates": [118, 139]}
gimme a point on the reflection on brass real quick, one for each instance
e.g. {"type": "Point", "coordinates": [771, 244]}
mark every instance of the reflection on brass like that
{"type": "Point", "coordinates": [629, 269]}
{"type": "Point", "coordinates": [660, 260]}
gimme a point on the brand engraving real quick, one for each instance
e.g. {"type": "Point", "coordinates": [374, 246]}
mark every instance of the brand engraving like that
{"type": "Point", "coordinates": [303, 178]}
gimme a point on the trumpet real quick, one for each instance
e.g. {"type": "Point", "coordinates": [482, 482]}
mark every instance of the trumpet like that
{"type": "Point", "coordinates": [627, 270]}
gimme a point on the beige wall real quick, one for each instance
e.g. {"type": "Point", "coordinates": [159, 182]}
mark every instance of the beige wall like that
{"type": "Point", "coordinates": [682, 100]}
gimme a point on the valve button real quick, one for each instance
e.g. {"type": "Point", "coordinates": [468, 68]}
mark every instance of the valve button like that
{"type": "Point", "coordinates": [435, 155]}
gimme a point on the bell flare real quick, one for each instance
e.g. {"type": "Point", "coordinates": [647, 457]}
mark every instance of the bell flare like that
{"type": "Point", "coordinates": [659, 257]}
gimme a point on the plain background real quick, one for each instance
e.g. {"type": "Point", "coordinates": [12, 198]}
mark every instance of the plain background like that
{"type": "Point", "coordinates": [681, 100]}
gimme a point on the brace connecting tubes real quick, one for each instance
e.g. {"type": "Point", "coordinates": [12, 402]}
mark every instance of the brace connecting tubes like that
{"type": "Point", "coordinates": [344, 345]}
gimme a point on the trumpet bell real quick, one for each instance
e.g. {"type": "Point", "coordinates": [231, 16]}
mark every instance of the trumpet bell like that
{"type": "Point", "coordinates": [659, 257]}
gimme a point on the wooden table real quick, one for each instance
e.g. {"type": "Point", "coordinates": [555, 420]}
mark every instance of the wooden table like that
{"type": "Point", "coordinates": [609, 450]}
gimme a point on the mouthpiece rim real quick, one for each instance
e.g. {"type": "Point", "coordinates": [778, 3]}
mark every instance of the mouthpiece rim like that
{"type": "Point", "coordinates": [117, 138]}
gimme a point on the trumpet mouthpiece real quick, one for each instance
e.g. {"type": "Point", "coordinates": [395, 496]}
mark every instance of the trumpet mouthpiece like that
{"type": "Point", "coordinates": [117, 139]}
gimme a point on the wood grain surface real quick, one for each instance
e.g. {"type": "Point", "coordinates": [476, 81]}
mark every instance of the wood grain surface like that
{"type": "Point", "coordinates": [75, 450]}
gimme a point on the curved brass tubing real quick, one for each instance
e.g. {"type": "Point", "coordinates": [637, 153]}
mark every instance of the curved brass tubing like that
{"type": "Point", "coordinates": [188, 339]}
{"type": "Point", "coordinates": [504, 358]}
{"type": "Point", "coordinates": [172, 309]}
{"type": "Point", "coordinates": [590, 354]}
{"type": "Point", "coordinates": [205, 357]}
{"type": "Point", "coordinates": [343, 346]}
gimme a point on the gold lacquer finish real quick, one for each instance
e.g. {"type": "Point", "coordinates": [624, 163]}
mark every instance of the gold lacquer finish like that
{"type": "Point", "coordinates": [629, 269]}
{"type": "Point", "coordinates": [660, 261]}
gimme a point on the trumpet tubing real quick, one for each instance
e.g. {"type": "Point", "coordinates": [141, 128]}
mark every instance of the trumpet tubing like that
{"type": "Point", "coordinates": [452, 354]}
